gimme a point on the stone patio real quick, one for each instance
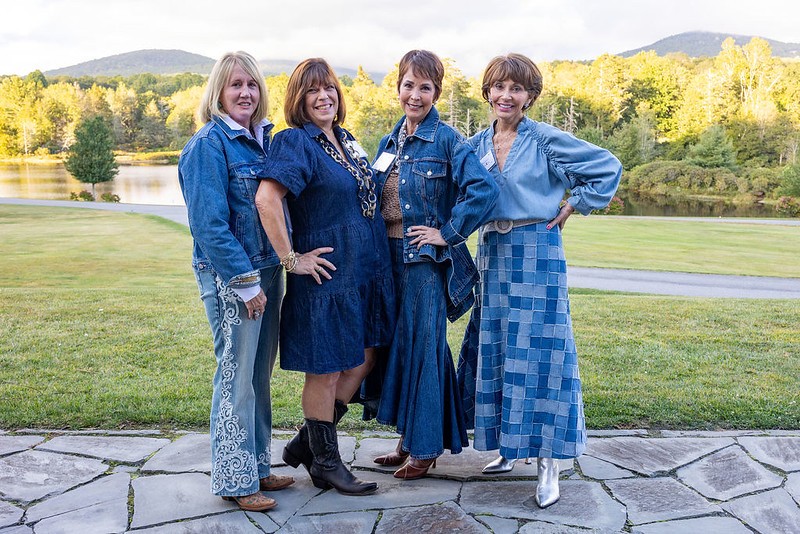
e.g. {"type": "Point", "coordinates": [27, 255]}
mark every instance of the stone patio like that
{"type": "Point", "coordinates": [628, 481]}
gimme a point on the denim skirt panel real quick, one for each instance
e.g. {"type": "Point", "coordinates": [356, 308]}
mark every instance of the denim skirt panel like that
{"type": "Point", "coordinates": [241, 411]}
{"type": "Point", "coordinates": [325, 328]}
{"type": "Point", "coordinates": [518, 368]}
{"type": "Point", "coordinates": [420, 390]}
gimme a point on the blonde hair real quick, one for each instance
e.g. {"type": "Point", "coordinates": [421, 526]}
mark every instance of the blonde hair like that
{"type": "Point", "coordinates": [310, 73]}
{"type": "Point", "coordinates": [514, 67]}
{"type": "Point", "coordinates": [211, 105]}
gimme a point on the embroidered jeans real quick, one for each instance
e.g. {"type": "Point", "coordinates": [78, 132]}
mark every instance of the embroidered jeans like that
{"type": "Point", "coordinates": [241, 413]}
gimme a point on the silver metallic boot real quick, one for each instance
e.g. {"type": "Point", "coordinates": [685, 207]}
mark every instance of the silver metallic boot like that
{"type": "Point", "coordinates": [499, 465]}
{"type": "Point", "coordinates": [547, 492]}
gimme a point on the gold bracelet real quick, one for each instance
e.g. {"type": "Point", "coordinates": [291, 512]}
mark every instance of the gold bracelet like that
{"type": "Point", "coordinates": [289, 261]}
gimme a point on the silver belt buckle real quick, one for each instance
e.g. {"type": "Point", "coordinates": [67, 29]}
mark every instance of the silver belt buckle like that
{"type": "Point", "coordinates": [503, 227]}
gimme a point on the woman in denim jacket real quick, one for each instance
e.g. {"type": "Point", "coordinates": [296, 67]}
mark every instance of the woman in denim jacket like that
{"type": "Point", "coordinates": [436, 194]}
{"type": "Point", "coordinates": [238, 273]}
{"type": "Point", "coordinates": [519, 366]}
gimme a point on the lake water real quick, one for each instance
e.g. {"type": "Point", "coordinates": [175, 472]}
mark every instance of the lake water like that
{"type": "Point", "coordinates": [135, 184]}
{"type": "Point", "coordinates": [158, 184]}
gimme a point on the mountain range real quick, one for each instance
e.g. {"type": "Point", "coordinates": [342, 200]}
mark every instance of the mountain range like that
{"type": "Point", "coordinates": [693, 44]}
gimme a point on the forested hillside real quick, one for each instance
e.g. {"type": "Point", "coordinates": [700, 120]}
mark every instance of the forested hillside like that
{"type": "Point", "coordinates": [724, 125]}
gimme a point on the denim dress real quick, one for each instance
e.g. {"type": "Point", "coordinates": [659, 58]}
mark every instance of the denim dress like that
{"type": "Point", "coordinates": [442, 185]}
{"type": "Point", "coordinates": [218, 173]}
{"type": "Point", "coordinates": [325, 328]}
{"type": "Point", "coordinates": [518, 367]}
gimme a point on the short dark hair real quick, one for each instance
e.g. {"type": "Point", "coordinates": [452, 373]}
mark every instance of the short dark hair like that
{"type": "Point", "coordinates": [517, 68]}
{"type": "Point", "coordinates": [424, 64]}
{"type": "Point", "coordinates": [310, 73]}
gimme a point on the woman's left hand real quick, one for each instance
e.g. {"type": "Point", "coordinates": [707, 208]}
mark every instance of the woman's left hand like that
{"type": "Point", "coordinates": [255, 306]}
{"type": "Point", "coordinates": [425, 235]}
{"type": "Point", "coordinates": [563, 215]}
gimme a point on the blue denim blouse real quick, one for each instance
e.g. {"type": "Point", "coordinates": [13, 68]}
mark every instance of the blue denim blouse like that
{"type": "Point", "coordinates": [219, 171]}
{"type": "Point", "coordinates": [443, 185]}
{"type": "Point", "coordinates": [542, 164]}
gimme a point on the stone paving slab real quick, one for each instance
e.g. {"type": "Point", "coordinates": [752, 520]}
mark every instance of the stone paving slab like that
{"type": "Point", "coordinates": [601, 470]}
{"type": "Point", "coordinates": [654, 455]}
{"type": "Point", "coordinates": [582, 504]}
{"type": "Point", "coordinates": [392, 493]}
{"type": "Point", "coordinates": [500, 525]}
{"type": "Point", "coordinates": [9, 514]}
{"type": "Point", "coordinates": [658, 499]}
{"type": "Point", "coordinates": [187, 454]}
{"type": "Point", "coordinates": [727, 474]}
{"type": "Point", "coordinates": [443, 518]}
{"type": "Point", "coordinates": [228, 523]}
{"type": "Point", "coordinates": [700, 525]}
{"type": "Point", "coordinates": [119, 448]}
{"type": "Point", "coordinates": [17, 530]}
{"type": "Point", "coordinates": [102, 490]}
{"type": "Point", "coordinates": [781, 452]}
{"type": "Point", "coordinates": [539, 527]}
{"type": "Point", "coordinates": [293, 498]}
{"type": "Point", "coordinates": [162, 498]}
{"type": "Point", "coordinates": [12, 444]}
{"type": "Point", "coordinates": [30, 475]}
{"type": "Point", "coordinates": [263, 521]}
{"type": "Point", "coordinates": [349, 522]}
{"type": "Point", "coordinates": [103, 518]}
{"type": "Point", "coordinates": [771, 511]}
{"type": "Point", "coordinates": [793, 486]}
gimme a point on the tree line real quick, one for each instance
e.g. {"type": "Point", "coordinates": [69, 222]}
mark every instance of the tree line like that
{"type": "Point", "coordinates": [728, 124]}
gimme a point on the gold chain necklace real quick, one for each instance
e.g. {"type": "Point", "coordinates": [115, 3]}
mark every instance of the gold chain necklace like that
{"type": "Point", "coordinates": [362, 173]}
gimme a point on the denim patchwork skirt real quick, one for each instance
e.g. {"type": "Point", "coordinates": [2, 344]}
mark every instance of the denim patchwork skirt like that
{"type": "Point", "coordinates": [518, 369]}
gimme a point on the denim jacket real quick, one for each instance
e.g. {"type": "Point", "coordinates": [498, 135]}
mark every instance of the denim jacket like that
{"type": "Point", "coordinates": [219, 171]}
{"type": "Point", "coordinates": [442, 185]}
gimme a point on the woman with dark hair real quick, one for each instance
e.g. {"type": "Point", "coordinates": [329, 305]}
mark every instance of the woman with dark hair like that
{"type": "Point", "coordinates": [339, 303]}
{"type": "Point", "coordinates": [436, 195]}
{"type": "Point", "coordinates": [519, 366]}
{"type": "Point", "coordinates": [238, 273]}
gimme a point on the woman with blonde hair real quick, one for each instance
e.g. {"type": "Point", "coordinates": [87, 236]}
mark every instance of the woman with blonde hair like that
{"type": "Point", "coordinates": [238, 274]}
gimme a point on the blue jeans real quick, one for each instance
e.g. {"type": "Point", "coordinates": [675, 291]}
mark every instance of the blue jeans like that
{"type": "Point", "coordinates": [241, 413]}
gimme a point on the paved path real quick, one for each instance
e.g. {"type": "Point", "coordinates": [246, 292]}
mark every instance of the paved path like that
{"type": "Point", "coordinates": [660, 283]}
{"type": "Point", "coordinates": [628, 481]}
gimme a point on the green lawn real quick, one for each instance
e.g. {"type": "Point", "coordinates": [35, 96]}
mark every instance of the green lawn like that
{"type": "Point", "coordinates": [101, 326]}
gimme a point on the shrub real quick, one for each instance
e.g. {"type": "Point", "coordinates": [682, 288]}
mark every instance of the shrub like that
{"type": "Point", "coordinates": [109, 197]}
{"type": "Point", "coordinates": [788, 206]}
{"type": "Point", "coordinates": [615, 207]}
{"type": "Point", "coordinates": [83, 196]}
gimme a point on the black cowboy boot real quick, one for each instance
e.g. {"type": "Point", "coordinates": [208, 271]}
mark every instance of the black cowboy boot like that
{"type": "Point", "coordinates": [327, 469]}
{"type": "Point", "coordinates": [297, 451]}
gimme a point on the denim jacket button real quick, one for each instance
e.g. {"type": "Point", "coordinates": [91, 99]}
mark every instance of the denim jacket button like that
{"type": "Point", "coordinates": [403, 181]}
{"type": "Point", "coordinates": [429, 173]}
{"type": "Point", "coordinates": [405, 157]}
{"type": "Point", "coordinates": [410, 254]}
{"type": "Point", "coordinates": [408, 206]}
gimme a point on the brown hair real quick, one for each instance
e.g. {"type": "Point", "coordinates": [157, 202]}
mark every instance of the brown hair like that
{"type": "Point", "coordinates": [517, 68]}
{"type": "Point", "coordinates": [310, 73]}
{"type": "Point", "coordinates": [424, 64]}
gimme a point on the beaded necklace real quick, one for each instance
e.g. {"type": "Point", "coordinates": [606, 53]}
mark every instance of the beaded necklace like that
{"type": "Point", "coordinates": [362, 172]}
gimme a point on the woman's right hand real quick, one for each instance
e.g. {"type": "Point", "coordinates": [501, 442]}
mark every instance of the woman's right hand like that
{"type": "Point", "coordinates": [312, 263]}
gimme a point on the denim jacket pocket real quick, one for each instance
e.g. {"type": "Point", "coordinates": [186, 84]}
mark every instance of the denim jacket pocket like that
{"type": "Point", "coordinates": [246, 176]}
{"type": "Point", "coordinates": [430, 173]}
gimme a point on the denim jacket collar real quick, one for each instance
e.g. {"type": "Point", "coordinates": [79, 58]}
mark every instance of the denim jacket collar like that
{"type": "Point", "coordinates": [426, 130]}
{"type": "Point", "coordinates": [232, 133]}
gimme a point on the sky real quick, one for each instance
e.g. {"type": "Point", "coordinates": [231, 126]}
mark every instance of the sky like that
{"type": "Point", "coordinates": [50, 34]}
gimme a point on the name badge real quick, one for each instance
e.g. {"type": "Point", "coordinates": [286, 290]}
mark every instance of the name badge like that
{"type": "Point", "coordinates": [488, 161]}
{"type": "Point", "coordinates": [383, 162]}
{"type": "Point", "coordinates": [357, 149]}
